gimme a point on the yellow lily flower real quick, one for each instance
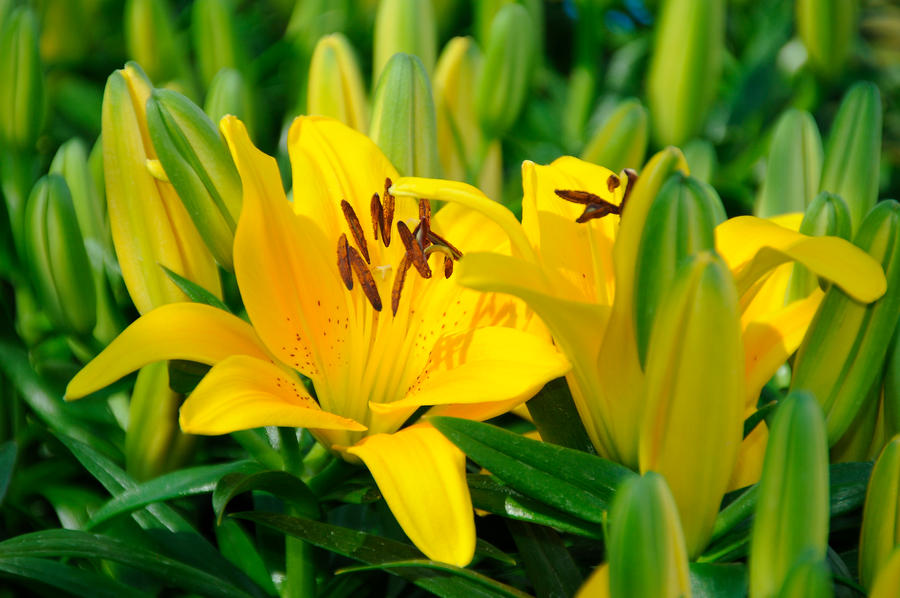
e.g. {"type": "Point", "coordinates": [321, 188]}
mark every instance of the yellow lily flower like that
{"type": "Point", "coordinates": [373, 316]}
{"type": "Point", "coordinates": [573, 262]}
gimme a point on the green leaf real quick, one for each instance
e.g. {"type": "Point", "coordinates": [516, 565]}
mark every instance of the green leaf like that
{"type": "Point", "coordinates": [494, 588]}
{"type": "Point", "coordinates": [438, 578]}
{"type": "Point", "coordinates": [556, 418]}
{"type": "Point", "coordinates": [280, 483]}
{"type": "Point", "coordinates": [237, 547]}
{"type": "Point", "coordinates": [717, 581]}
{"type": "Point", "coordinates": [184, 482]}
{"type": "Point", "coordinates": [572, 481]}
{"type": "Point", "coordinates": [7, 464]}
{"type": "Point", "coordinates": [78, 582]}
{"type": "Point", "coordinates": [492, 496]}
{"type": "Point", "coordinates": [194, 291]}
{"type": "Point", "coordinates": [72, 543]}
{"type": "Point", "coordinates": [547, 562]}
{"type": "Point", "coordinates": [757, 416]}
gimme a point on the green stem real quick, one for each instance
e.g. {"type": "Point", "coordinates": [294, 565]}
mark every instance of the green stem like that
{"type": "Point", "coordinates": [734, 513]}
{"type": "Point", "coordinates": [333, 474]}
{"type": "Point", "coordinates": [300, 568]}
{"type": "Point", "coordinates": [259, 449]}
{"type": "Point", "coordinates": [290, 450]}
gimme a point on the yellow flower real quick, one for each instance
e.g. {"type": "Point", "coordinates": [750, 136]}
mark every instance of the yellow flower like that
{"type": "Point", "coordinates": [573, 262]}
{"type": "Point", "coordinates": [352, 288]}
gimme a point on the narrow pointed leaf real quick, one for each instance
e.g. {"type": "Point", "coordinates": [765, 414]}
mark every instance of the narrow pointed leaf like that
{"type": "Point", "coordinates": [79, 582]}
{"type": "Point", "coordinates": [280, 483]}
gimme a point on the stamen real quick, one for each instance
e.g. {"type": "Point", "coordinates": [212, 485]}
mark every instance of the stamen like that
{"type": "Point", "coordinates": [582, 197]}
{"type": "Point", "coordinates": [448, 267]}
{"type": "Point", "coordinates": [343, 261]}
{"type": "Point", "coordinates": [399, 278]}
{"type": "Point", "coordinates": [439, 240]}
{"type": "Point", "coordinates": [366, 281]}
{"type": "Point", "coordinates": [388, 212]}
{"type": "Point", "coordinates": [355, 228]}
{"type": "Point", "coordinates": [424, 218]}
{"type": "Point", "coordinates": [632, 181]}
{"type": "Point", "coordinates": [377, 215]}
{"type": "Point", "coordinates": [612, 183]}
{"type": "Point", "coordinates": [413, 250]}
{"type": "Point", "coordinates": [597, 210]}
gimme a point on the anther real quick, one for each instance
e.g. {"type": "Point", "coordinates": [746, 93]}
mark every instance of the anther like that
{"type": "Point", "coordinates": [366, 281]}
{"type": "Point", "coordinates": [388, 212]}
{"type": "Point", "coordinates": [355, 228]}
{"type": "Point", "coordinates": [343, 261]}
{"type": "Point", "coordinates": [377, 215]}
{"type": "Point", "coordinates": [436, 239]}
{"type": "Point", "coordinates": [424, 219]}
{"type": "Point", "coordinates": [448, 267]}
{"type": "Point", "coordinates": [597, 210]}
{"type": "Point", "coordinates": [413, 250]}
{"type": "Point", "coordinates": [399, 278]}
{"type": "Point", "coordinates": [632, 181]}
{"type": "Point", "coordinates": [582, 197]}
{"type": "Point", "coordinates": [612, 183]}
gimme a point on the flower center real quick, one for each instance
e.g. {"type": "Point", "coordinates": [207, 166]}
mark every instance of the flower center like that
{"type": "Point", "coordinates": [594, 205]}
{"type": "Point", "coordinates": [419, 243]}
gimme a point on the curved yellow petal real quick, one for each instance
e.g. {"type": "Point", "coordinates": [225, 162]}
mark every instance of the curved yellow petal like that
{"type": "Point", "coordinates": [472, 198]}
{"type": "Point", "coordinates": [478, 411]}
{"type": "Point", "coordinates": [480, 366]}
{"type": "Point", "coordinates": [285, 268]}
{"type": "Point", "coordinates": [190, 331]}
{"type": "Point", "coordinates": [243, 392]}
{"type": "Point", "coordinates": [772, 338]}
{"type": "Point", "coordinates": [422, 477]}
{"type": "Point", "coordinates": [752, 247]}
{"type": "Point", "coordinates": [597, 585]}
{"type": "Point", "coordinates": [748, 468]}
{"type": "Point", "coordinates": [469, 230]}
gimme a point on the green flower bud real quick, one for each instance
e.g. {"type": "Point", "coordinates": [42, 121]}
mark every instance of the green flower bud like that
{"type": "Point", "coordinates": [843, 352]}
{"type": "Point", "coordinates": [216, 45]}
{"type": "Point", "coordinates": [685, 67]}
{"type": "Point", "coordinates": [406, 26]}
{"type": "Point", "coordinates": [646, 550]}
{"type": "Point", "coordinates": [57, 259]}
{"type": "Point", "coordinates": [808, 578]}
{"type": "Point", "coordinates": [335, 86]}
{"type": "Point", "coordinates": [827, 215]}
{"type": "Point", "coordinates": [794, 166]}
{"type": "Point", "coordinates": [153, 43]}
{"type": "Point", "coordinates": [853, 151]}
{"type": "Point", "coordinates": [692, 420]}
{"type": "Point", "coordinates": [791, 517]}
{"type": "Point", "coordinates": [486, 11]}
{"type": "Point", "coordinates": [199, 166]}
{"type": "Point", "coordinates": [459, 134]}
{"type": "Point", "coordinates": [892, 385]}
{"type": "Point", "coordinates": [880, 531]}
{"type": "Point", "coordinates": [229, 93]}
{"type": "Point", "coordinates": [887, 583]}
{"type": "Point", "coordinates": [403, 120]}
{"type": "Point", "coordinates": [827, 28]}
{"type": "Point", "coordinates": [22, 76]}
{"type": "Point", "coordinates": [680, 223]}
{"type": "Point", "coordinates": [65, 30]}
{"type": "Point", "coordinates": [621, 140]}
{"type": "Point", "coordinates": [509, 59]}
{"type": "Point", "coordinates": [701, 158]}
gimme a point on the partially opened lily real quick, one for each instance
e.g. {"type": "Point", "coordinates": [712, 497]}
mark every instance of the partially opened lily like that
{"type": "Point", "coordinates": [573, 261]}
{"type": "Point", "coordinates": [352, 288]}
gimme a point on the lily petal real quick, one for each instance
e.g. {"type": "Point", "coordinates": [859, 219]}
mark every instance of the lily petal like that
{"type": "Point", "coordinates": [243, 392]}
{"type": "Point", "coordinates": [422, 477]}
{"type": "Point", "coordinates": [288, 280]}
{"type": "Point", "coordinates": [752, 247]}
{"type": "Point", "coordinates": [190, 331]}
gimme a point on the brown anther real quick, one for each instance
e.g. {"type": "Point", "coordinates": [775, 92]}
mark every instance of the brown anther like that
{"type": "Point", "coordinates": [597, 210]}
{"type": "Point", "coordinates": [612, 183]}
{"type": "Point", "coordinates": [388, 212]}
{"type": "Point", "coordinates": [355, 228]}
{"type": "Point", "coordinates": [582, 197]}
{"type": "Point", "coordinates": [399, 278]}
{"type": "Point", "coordinates": [343, 261]}
{"type": "Point", "coordinates": [448, 267]}
{"type": "Point", "coordinates": [414, 250]}
{"type": "Point", "coordinates": [632, 181]}
{"type": "Point", "coordinates": [436, 239]}
{"type": "Point", "coordinates": [370, 290]}
{"type": "Point", "coordinates": [424, 218]}
{"type": "Point", "coordinates": [377, 215]}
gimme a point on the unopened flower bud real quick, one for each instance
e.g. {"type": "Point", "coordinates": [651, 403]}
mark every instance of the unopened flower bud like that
{"type": "Point", "coordinates": [335, 86]}
{"type": "Point", "coordinates": [794, 166]}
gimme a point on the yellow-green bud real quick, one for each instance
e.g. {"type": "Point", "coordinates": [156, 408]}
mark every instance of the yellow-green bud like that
{"type": "Point", "coordinates": [685, 67]}
{"type": "Point", "coordinates": [892, 385]}
{"type": "Point", "coordinates": [843, 352]}
{"type": "Point", "coordinates": [791, 517]}
{"type": "Point", "coordinates": [486, 10]}
{"type": "Point", "coordinates": [335, 86]}
{"type": "Point", "coordinates": [827, 215]}
{"type": "Point", "coordinates": [853, 151]}
{"type": "Point", "coordinates": [57, 259]}
{"type": "Point", "coordinates": [681, 222]}
{"type": "Point", "coordinates": [150, 225]}
{"type": "Point", "coordinates": [406, 26]}
{"type": "Point", "coordinates": [229, 94]}
{"type": "Point", "coordinates": [887, 583]}
{"type": "Point", "coordinates": [880, 531]}
{"type": "Point", "coordinates": [199, 166]}
{"type": "Point", "coordinates": [808, 578]}
{"type": "Point", "coordinates": [794, 166]}
{"type": "Point", "coordinates": [22, 77]}
{"type": "Point", "coordinates": [153, 43]}
{"type": "Point", "coordinates": [509, 60]}
{"type": "Point", "coordinates": [701, 158]}
{"type": "Point", "coordinates": [646, 549]}
{"type": "Point", "coordinates": [692, 420]}
{"type": "Point", "coordinates": [621, 140]}
{"type": "Point", "coordinates": [459, 134]}
{"type": "Point", "coordinates": [216, 45]}
{"type": "Point", "coordinates": [403, 121]}
{"type": "Point", "coordinates": [827, 28]}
